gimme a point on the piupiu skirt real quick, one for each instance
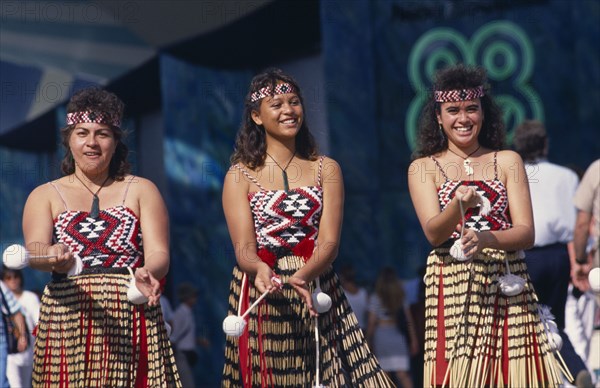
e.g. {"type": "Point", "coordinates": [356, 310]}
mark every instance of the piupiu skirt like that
{"type": "Point", "coordinates": [90, 335]}
{"type": "Point", "coordinates": [278, 347]}
{"type": "Point", "coordinates": [475, 336]}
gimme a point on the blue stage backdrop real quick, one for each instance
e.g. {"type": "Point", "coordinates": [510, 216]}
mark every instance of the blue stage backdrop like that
{"type": "Point", "coordinates": [380, 57]}
{"type": "Point", "coordinates": [202, 112]}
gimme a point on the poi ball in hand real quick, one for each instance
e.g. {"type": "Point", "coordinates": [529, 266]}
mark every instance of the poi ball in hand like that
{"type": "Point", "coordinates": [457, 252]}
{"type": "Point", "coordinates": [134, 295]}
{"type": "Point", "coordinates": [594, 279]}
{"type": "Point", "coordinates": [15, 256]}
{"type": "Point", "coordinates": [321, 301]}
{"type": "Point", "coordinates": [234, 325]}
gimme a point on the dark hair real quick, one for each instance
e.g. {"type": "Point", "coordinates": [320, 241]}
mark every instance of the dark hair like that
{"type": "Point", "coordinates": [18, 273]}
{"type": "Point", "coordinates": [530, 140]}
{"type": "Point", "coordinates": [250, 143]}
{"type": "Point", "coordinates": [98, 100]}
{"type": "Point", "coordinates": [431, 139]}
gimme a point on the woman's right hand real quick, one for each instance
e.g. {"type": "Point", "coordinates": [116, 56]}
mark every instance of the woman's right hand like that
{"type": "Point", "coordinates": [64, 259]}
{"type": "Point", "coordinates": [468, 196]}
{"type": "Point", "coordinates": [262, 280]}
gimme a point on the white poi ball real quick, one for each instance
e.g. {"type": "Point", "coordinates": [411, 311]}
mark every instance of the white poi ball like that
{"type": "Point", "coordinates": [457, 252]}
{"type": "Point", "coordinates": [234, 325]}
{"type": "Point", "coordinates": [15, 256]}
{"type": "Point", "coordinates": [134, 295]}
{"type": "Point", "coordinates": [511, 285]}
{"type": "Point", "coordinates": [321, 301]}
{"type": "Point", "coordinates": [594, 279]}
{"type": "Point", "coordinates": [556, 341]}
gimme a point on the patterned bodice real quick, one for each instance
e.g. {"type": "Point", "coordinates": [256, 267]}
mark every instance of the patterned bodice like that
{"type": "Point", "coordinates": [113, 239]}
{"type": "Point", "coordinates": [493, 189]}
{"type": "Point", "coordinates": [285, 223]}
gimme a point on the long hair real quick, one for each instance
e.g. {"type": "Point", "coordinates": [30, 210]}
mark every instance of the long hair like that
{"type": "Point", "coordinates": [431, 138]}
{"type": "Point", "coordinates": [389, 290]}
{"type": "Point", "coordinates": [250, 143]}
{"type": "Point", "coordinates": [98, 100]}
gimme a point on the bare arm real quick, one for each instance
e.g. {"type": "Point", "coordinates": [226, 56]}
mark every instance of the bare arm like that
{"type": "Point", "coordinates": [241, 229]}
{"type": "Point", "coordinates": [581, 235]}
{"type": "Point", "coordinates": [437, 225]}
{"type": "Point", "coordinates": [37, 231]}
{"type": "Point", "coordinates": [154, 222]}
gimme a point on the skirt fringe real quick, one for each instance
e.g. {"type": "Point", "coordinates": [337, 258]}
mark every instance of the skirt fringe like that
{"type": "Point", "coordinates": [90, 335]}
{"type": "Point", "coordinates": [280, 339]}
{"type": "Point", "coordinates": [475, 335]}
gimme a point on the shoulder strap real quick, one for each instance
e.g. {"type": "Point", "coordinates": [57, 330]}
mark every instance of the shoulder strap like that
{"type": "Point", "coordinates": [60, 195]}
{"type": "Point", "coordinates": [248, 175]}
{"type": "Point", "coordinates": [319, 172]}
{"type": "Point", "coordinates": [439, 166]}
{"type": "Point", "coordinates": [127, 189]}
{"type": "Point", "coordinates": [495, 165]}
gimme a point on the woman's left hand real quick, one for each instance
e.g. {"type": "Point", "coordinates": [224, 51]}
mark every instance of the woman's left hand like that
{"type": "Point", "coordinates": [148, 285]}
{"type": "Point", "coordinates": [302, 290]}
{"type": "Point", "coordinates": [470, 242]}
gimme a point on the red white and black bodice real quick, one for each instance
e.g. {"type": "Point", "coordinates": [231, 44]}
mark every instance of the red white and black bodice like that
{"type": "Point", "coordinates": [111, 240]}
{"type": "Point", "coordinates": [492, 189]}
{"type": "Point", "coordinates": [285, 223]}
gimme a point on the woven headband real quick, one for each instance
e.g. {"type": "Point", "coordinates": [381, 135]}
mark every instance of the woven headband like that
{"type": "Point", "coordinates": [91, 117]}
{"type": "Point", "coordinates": [267, 91]}
{"type": "Point", "coordinates": [458, 95]}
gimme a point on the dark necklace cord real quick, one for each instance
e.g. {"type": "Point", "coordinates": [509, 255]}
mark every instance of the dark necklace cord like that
{"type": "Point", "coordinates": [286, 185]}
{"type": "Point", "coordinates": [465, 157]}
{"type": "Point", "coordinates": [466, 161]}
{"type": "Point", "coordinates": [95, 200]}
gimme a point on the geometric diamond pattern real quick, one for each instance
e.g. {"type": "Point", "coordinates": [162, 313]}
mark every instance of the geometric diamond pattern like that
{"type": "Point", "coordinates": [113, 239]}
{"type": "Point", "coordinates": [285, 219]}
{"type": "Point", "coordinates": [494, 190]}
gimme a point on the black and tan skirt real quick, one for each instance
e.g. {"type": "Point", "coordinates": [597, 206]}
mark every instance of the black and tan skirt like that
{"type": "Point", "coordinates": [278, 347]}
{"type": "Point", "coordinates": [476, 336]}
{"type": "Point", "coordinates": [90, 335]}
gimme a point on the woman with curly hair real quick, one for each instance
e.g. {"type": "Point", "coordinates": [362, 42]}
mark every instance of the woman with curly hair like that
{"type": "Point", "coordinates": [483, 325]}
{"type": "Point", "coordinates": [284, 204]}
{"type": "Point", "coordinates": [90, 222]}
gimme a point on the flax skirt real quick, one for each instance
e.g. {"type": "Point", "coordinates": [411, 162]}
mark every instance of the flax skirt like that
{"type": "Point", "coordinates": [90, 335]}
{"type": "Point", "coordinates": [476, 336]}
{"type": "Point", "coordinates": [278, 347]}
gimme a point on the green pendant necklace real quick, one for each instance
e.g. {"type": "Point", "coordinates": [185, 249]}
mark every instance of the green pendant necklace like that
{"type": "Point", "coordinates": [286, 184]}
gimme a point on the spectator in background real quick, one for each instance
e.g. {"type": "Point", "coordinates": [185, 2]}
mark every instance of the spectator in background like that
{"type": "Point", "coordinates": [551, 188]}
{"type": "Point", "coordinates": [390, 330]}
{"type": "Point", "coordinates": [183, 334]}
{"type": "Point", "coordinates": [357, 296]}
{"type": "Point", "coordinates": [10, 308]}
{"type": "Point", "coordinates": [587, 252]}
{"type": "Point", "coordinates": [20, 365]}
{"type": "Point", "coordinates": [587, 201]}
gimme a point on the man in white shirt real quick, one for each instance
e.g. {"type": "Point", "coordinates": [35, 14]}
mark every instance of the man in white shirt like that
{"type": "Point", "coordinates": [552, 188]}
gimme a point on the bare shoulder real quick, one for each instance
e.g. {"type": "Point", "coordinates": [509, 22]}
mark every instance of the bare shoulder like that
{"type": "Point", "coordinates": [235, 176]}
{"type": "Point", "coordinates": [139, 186]}
{"type": "Point", "coordinates": [331, 171]}
{"type": "Point", "coordinates": [509, 156]}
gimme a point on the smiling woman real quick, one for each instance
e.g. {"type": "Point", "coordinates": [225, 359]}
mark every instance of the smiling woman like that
{"type": "Point", "coordinates": [283, 204]}
{"type": "Point", "coordinates": [476, 334]}
{"type": "Point", "coordinates": [90, 221]}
